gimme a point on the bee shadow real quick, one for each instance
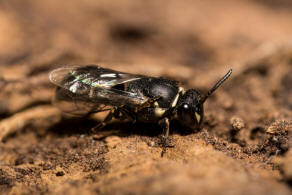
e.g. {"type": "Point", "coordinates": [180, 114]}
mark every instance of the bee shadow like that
{"type": "Point", "coordinates": [72, 126]}
{"type": "Point", "coordinates": [75, 126]}
{"type": "Point", "coordinates": [145, 129]}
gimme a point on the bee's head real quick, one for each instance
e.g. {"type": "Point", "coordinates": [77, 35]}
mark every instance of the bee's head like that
{"type": "Point", "coordinates": [190, 109]}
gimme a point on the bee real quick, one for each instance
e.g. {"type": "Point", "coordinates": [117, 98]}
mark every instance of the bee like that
{"type": "Point", "coordinates": [138, 98]}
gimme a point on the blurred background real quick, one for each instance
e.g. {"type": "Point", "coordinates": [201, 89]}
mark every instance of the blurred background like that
{"type": "Point", "coordinates": [194, 42]}
{"type": "Point", "coordinates": [195, 34]}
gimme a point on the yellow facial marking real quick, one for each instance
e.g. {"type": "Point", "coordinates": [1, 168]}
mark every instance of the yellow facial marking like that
{"type": "Point", "coordinates": [198, 117]}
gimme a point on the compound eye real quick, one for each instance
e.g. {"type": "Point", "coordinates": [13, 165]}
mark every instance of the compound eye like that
{"type": "Point", "coordinates": [186, 115]}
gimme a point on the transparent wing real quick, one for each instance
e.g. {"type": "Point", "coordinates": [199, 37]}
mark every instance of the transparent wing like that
{"type": "Point", "coordinates": [91, 75]}
{"type": "Point", "coordinates": [73, 106]}
{"type": "Point", "coordinates": [92, 86]}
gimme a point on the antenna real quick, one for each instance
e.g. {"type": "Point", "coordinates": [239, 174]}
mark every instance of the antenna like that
{"type": "Point", "coordinates": [216, 85]}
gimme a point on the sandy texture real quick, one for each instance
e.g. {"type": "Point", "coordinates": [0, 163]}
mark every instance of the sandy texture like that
{"type": "Point", "coordinates": [245, 140]}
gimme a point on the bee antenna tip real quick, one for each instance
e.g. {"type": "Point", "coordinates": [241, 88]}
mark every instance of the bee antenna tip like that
{"type": "Point", "coordinates": [226, 76]}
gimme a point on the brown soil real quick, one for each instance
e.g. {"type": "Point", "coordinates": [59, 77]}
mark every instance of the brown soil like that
{"type": "Point", "coordinates": [243, 146]}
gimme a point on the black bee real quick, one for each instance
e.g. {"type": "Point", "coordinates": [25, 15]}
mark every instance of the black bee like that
{"type": "Point", "coordinates": [136, 97]}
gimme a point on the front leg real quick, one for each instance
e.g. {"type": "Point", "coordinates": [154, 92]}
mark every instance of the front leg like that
{"type": "Point", "coordinates": [164, 123]}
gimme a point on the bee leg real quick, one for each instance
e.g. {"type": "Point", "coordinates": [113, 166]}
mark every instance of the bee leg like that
{"type": "Point", "coordinates": [164, 123]}
{"type": "Point", "coordinates": [107, 119]}
{"type": "Point", "coordinates": [119, 114]}
{"type": "Point", "coordinates": [127, 115]}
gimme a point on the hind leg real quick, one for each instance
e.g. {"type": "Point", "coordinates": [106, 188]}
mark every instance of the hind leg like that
{"type": "Point", "coordinates": [106, 120]}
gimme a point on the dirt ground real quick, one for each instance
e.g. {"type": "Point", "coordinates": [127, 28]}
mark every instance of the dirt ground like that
{"type": "Point", "coordinates": [243, 145]}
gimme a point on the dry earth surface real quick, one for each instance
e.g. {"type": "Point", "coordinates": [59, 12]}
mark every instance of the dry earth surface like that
{"type": "Point", "coordinates": [245, 140]}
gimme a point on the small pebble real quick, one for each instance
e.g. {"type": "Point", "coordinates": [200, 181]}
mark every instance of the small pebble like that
{"type": "Point", "coordinates": [237, 123]}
